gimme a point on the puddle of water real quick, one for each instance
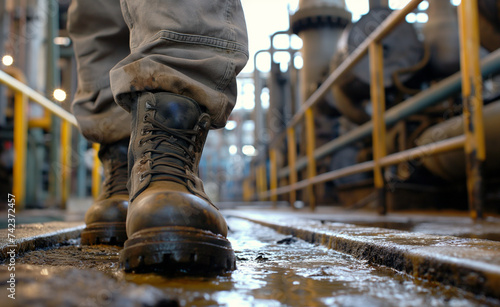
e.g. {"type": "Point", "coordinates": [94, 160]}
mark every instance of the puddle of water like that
{"type": "Point", "coordinates": [297, 273]}
{"type": "Point", "coordinates": [484, 230]}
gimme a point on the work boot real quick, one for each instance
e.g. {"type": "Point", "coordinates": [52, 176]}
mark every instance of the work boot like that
{"type": "Point", "coordinates": [106, 218]}
{"type": "Point", "coordinates": [172, 225]}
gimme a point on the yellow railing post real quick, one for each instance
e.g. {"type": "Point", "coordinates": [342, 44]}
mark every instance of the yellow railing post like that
{"type": "Point", "coordinates": [292, 158]}
{"type": "Point", "coordinates": [273, 175]}
{"type": "Point", "coordinates": [377, 94]}
{"type": "Point", "coordinates": [65, 162]}
{"type": "Point", "coordinates": [20, 138]}
{"type": "Point", "coordinates": [260, 177]}
{"type": "Point", "coordinates": [473, 140]}
{"type": "Point", "coordinates": [475, 148]}
{"type": "Point", "coordinates": [247, 193]}
{"type": "Point", "coordinates": [311, 162]}
{"type": "Point", "coordinates": [20, 143]}
{"type": "Point", "coordinates": [263, 174]}
{"type": "Point", "coordinates": [96, 172]}
{"type": "Point", "coordinates": [257, 182]}
{"type": "Point", "coordinates": [253, 187]}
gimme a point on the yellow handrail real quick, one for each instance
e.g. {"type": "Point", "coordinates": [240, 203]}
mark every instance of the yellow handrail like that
{"type": "Point", "coordinates": [20, 86]}
{"type": "Point", "coordinates": [376, 36]}
{"type": "Point", "coordinates": [372, 40]}
{"type": "Point", "coordinates": [472, 141]}
{"type": "Point", "coordinates": [23, 94]}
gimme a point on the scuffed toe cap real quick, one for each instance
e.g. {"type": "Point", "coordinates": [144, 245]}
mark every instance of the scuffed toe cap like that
{"type": "Point", "coordinates": [108, 210]}
{"type": "Point", "coordinates": [172, 208]}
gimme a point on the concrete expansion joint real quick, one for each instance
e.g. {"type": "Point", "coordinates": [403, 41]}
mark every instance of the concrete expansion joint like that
{"type": "Point", "coordinates": [29, 237]}
{"type": "Point", "coordinates": [470, 264]}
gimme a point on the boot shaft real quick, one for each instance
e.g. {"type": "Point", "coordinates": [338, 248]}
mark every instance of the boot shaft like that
{"type": "Point", "coordinates": [115, 167]}
{"type": "Point", "coordinates": [168, 136]}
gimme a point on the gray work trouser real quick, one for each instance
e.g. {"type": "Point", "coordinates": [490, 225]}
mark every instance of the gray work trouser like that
{"type": "Point", "coordinates": [193, 48]}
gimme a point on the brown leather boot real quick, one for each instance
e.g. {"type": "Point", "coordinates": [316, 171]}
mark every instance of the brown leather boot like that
{"type": "Point", "coordinates": [172, 225]}
{"type": "Point", "coordinates": [106, 218]}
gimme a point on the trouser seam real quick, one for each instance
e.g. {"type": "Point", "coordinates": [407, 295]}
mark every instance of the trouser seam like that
{"type": "Point", "coordinates": [226, 77]}
{"type": "Point", "coordinates": [199, 40]}
{"type": "Point", "coordinates": [228, 21]}
{"type": "Point", "coordinates": [224, 81]}
{"type": "Point", "coordinates": [221, 114]}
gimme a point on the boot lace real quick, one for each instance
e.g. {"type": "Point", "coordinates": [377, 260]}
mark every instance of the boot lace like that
{"type": "Point", "coordinates": [176, 147]}
{"type": "Point", "coordinates": [116, 183]}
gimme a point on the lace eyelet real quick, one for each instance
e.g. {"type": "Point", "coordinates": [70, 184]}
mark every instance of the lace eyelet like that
{"type": "Point", "coordinates": [204, 123]}
{"type": "Point", "coordinates": [143, 132]}
{"type": "Point", "coordinates": [142, 177]}
{"type": "Point", "coordinates": [145, 118]}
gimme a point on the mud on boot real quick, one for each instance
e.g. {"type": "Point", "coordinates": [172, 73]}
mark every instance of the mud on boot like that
{"type": "Point", "coordinates": [172, 225]}
{"type": "Point", "coordinates": [106, 218]}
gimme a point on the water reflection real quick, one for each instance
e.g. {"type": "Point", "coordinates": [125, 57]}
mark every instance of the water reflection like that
{"type": "Point", "coordinates": [301, 274]}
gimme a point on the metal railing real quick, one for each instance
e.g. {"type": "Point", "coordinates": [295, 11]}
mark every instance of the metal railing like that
{"type": "Point", "coordinates": [472, 141]}
{"type": "Point", "coordinates": [15, 80]}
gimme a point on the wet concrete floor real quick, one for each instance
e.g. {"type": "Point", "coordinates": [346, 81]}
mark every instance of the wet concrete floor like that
{"type": "Point", "coordinates": [273, 270]}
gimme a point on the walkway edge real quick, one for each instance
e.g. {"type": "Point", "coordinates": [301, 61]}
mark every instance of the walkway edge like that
{"type": "Point", "coordinates": [470, 264]}
{"type": "Point", "coordinates": [29, 237]}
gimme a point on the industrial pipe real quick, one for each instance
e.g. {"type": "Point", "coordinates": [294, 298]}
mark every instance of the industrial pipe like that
{"type": "Point", "coordinates": [441, 35]}
{"type": "Point", "coordinates": [319, 23]}
{"type": "Point", "coordinates": [387, 25]}
{"type": "Point", "coordinates": [451, 165]}
{"type": "Point", "coordinates": [401, 50]}
{"type": "Point", "coordinates": [435, 94]}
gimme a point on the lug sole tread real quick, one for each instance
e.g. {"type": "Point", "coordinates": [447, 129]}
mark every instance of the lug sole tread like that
{"type": "Point", "coordinates": [104, 233]}
{"type": "Point", "coordinates": [178, 251]}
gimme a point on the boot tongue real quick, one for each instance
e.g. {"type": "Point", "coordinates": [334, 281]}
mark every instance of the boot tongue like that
{"type": "Point", "coordinates": [176, 112]}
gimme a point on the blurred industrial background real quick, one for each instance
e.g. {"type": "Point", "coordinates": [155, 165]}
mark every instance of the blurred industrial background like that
{"type": "Point", "coordinates": [360, 166]}
{"type": "Point", "coordinates": [307, 129]}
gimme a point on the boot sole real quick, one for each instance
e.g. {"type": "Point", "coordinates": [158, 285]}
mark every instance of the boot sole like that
{"type": "Point", "coordinates": [104, 233]}
{"type": "Point", "coordinates": [178, 251]}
